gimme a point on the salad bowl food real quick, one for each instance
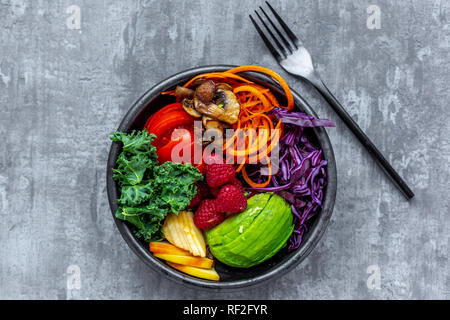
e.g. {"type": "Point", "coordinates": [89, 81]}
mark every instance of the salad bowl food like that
{"type": "Point", "coordinates": [230, 218]}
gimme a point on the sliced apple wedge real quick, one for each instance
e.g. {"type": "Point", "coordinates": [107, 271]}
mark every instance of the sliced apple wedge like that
{"type": "Point", "coordinates": [203, 263]}
{"type": "Point", "coordinates": [167, 248]}
{"type": "Point", "coordinates": [181, 231]}
{"type": "Point", "coordinates": [194, 235]}
{"type": "Point", "coordinates": [208, 274]}
{"type": "Point", "coordinates": [173, 233]}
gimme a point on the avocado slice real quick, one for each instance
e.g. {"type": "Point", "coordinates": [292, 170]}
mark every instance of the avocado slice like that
{"type": "Point", "coordinates": [264, 232]}
{"type": "Point", "coordinates": [254, 235]}
{"type": "Point", "coordinates": [229, 229]}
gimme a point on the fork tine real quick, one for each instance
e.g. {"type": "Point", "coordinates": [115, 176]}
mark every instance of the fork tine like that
{"type": "Point", "coordinates": [268, 44]}
{"type": "Point", "coordinates": [286, 43]}
{"type": "Point", "coordinates": [279, 45]}
{"type": "Point", "coordinates": [285, 27]}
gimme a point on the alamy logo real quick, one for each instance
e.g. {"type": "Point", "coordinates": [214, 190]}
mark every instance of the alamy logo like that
{"type": "Point", "coordinates": [374, 18]}
{"type": "Point", "coordinates": [374, 279]}
{"type": "Point", "coordinates": [73, 277]}
{"type": "Point", "coordinates": [73, 22]}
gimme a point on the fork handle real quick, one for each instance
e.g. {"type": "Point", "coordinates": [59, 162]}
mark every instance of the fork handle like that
{"type": "Point", "coordinates": [362, 137]}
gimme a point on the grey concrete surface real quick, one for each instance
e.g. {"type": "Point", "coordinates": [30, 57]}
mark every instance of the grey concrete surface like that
{"type": "Point", "coordinates": [63, 90]}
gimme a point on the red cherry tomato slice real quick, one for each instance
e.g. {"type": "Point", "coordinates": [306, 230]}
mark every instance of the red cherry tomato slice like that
{"type": "Point", "coordinates": [158, 115]}
{"type": "Point", "coordinates": [182, 142]}
{"type": "Point", "coordinates": [163, 124]}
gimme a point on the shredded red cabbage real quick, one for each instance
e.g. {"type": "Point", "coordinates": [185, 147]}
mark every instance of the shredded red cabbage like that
{"type": "Point", "coordinates": [301, 177]}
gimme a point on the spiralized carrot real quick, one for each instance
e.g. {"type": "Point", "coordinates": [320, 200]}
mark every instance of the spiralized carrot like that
{"type": "Point", "coordinates": [274, 75]}
{"type": "Point", "coordinates": [260, 133]}
{"type": "Point", "coordinates": [255, 184]}
{"type": "Point", "coordinates": [217, 75]}
{"type": "Point", "coordinates": [258, 94]}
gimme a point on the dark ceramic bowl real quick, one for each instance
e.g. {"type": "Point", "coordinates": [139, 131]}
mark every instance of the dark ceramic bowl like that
{"type": "Point", "coordinates": [231, 278]}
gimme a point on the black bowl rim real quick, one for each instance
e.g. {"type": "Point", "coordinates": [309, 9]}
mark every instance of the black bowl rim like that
{"type": "Point", "coordinates": [315, 234]}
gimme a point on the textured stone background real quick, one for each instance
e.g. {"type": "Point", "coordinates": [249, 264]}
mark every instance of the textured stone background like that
{"type": "Point", "coordinates": [63, 91]}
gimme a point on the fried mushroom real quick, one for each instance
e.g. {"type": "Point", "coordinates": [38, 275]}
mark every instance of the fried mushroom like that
{"type": "Point", "coordinates": [223, 107]}
{"type": "Point", "coordinates": [188, 106]}
{"type": "Point", "coordinates": [183, 92]}
{"type": "Point", "coordinates": [206, 91]}
{"type": "Point", "coordinates": [214, 128]}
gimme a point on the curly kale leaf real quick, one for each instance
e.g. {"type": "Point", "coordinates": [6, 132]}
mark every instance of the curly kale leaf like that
{"type": "Point", "coordinates": [136, 157]}
{"type": "Point", "coordinates": [149, 192]}
{"type": "Point", "coordinates": [148, 222]}
{"type": "Point", "coordinates": [131, 169]}
{"type": "Point", "coordinates": [147, 218]}
{"type": "Point", "coordinates": [176, 182]}
{"type": "Point", "coordinates": [136, 194]}
{"type": "Point", "coordinates": [136, 142]}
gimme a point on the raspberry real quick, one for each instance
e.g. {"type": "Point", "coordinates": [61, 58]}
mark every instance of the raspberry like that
{"type": "Point", "coordinates": [195, 201]}
{"type": "Point", "coordinates": [207, 216]}
{"type": "Point", "coordinates": [231, 200]}
{"type": "Point", "coordinates": [235, 182]}
{"type": "Point", "coordinates": [215, 191]}
{"type": "Point", "coordinates": [219, 174]}
{"type": "Point", "coordinates": [202, 193]}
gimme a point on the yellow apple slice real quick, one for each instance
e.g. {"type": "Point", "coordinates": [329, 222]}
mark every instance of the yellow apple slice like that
{"type": "Point", "coordinates": [183, 217]}
{"type": "Point", "coordinates": [167, 248]}
{"type": "Point", "coordinates": [204, 263]}
{"type": "Point", "coordinates": [178, 228]}
{"type": "Point", "coordinates": [197, 243]}
{"type": "Point", "coordinates": [174, 234]}
{"type": "Point", "coordinates": [181, 231]}
{"type": "Point", "coordinates": [208, 274]}
{"type": "Point", "coordinates": [197, 236]}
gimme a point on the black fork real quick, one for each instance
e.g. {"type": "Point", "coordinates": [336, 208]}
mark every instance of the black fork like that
{"type": "Point", "coordinates": [290, 53]}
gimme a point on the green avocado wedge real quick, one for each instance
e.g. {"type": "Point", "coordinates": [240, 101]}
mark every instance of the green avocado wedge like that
{"type": "Point", "coordinates": [254, 235]}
